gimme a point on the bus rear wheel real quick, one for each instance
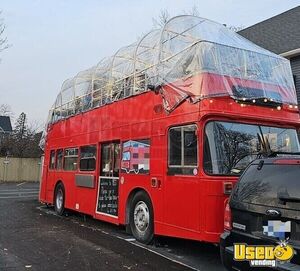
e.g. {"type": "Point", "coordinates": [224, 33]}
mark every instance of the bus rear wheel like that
{"type": "Point", "coordinates": [59, 199]}
{"type": "Point", "coordinates": [141, 218]}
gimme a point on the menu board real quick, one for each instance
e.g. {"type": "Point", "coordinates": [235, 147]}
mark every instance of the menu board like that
{"type": "Point", "coordinates": [108, 196]}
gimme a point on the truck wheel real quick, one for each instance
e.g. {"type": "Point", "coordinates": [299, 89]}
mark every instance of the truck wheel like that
{"type": "Point", "coordinates": [141, 218]}
{"type": "Point", "coordinates": [59, 199]}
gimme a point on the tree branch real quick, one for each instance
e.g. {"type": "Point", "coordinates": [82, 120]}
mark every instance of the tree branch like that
{"type": "Point", "coordinates": [3, 40]}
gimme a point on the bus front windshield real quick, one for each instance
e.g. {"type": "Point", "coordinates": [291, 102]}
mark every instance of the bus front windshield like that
{"type": "Point", "coordinates": [229, 147]}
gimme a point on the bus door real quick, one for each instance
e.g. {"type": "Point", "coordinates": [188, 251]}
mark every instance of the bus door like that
{"type": "Point", "coordinates": [50, 173]}
{"type": "Point", "coordinates": [44, 178]}
{"type": "Point", "coordinates": [182, 197]}
{"type": "Point", "coordinates": [108, 184]}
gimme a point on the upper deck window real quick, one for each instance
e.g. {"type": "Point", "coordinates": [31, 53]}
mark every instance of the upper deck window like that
{"type": "Point", "coordinates": [71, 157]}
{"type": "Point", "coordinates": [183, 149]}
{"type": "Point", "coordinates": [229, 147]}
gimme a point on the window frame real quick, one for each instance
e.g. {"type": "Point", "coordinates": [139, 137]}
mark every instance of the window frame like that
{"type": "Point", "coordinates": [182, 165]}
{"type": "Point", "coordinates": [62, 159]}
{"type": "Point", "coordinates": [70, 156]}
{"type": "Point", "coordinates": [50, 160]}
{"type": "Point", "coordinates": [135, 155]}
{"type": "Point", "coordinates": [234, 121]}
{"type": "Point", "coordinates": [95, 158]}
{"type": "Point", "coordinates": [112, 162]}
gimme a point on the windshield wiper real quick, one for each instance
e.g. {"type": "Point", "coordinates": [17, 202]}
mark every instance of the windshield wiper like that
{"type": "Point", "coordinates": [266, 149]}
{"type": "Point", "coordinates": [288, 199]}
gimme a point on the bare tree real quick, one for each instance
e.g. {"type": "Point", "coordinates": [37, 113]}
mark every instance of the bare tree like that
{"type": "Point", "coordinates": [5, 110]}
{"type": "Point", "coordinates": [164, 16]}
{"type": "Point", "coordinates": [23, 141]}
{"type": "Point", "coordinates": [161, 19]}
{"type": "Point", "coordinates": [35, 126]}
{"type": "Point", "coordinates": [3, 40]}
{"type": "Point", "coordinates": [192, 11]}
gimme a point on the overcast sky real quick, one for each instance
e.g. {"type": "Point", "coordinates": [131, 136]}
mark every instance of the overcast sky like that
{"type": "Point", "coordinates": [54, 39]}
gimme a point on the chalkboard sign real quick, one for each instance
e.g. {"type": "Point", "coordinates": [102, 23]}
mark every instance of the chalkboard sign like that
{"type": "Point", "coordinates": [108, 196]}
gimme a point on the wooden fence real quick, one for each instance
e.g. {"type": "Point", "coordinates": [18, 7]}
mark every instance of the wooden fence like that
{"type": "Point", "coordinates": [19, 169]}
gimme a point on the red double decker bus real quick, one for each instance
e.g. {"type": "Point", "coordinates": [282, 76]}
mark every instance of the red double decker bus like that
{"type": "Point", "coordinates": [155, 136]}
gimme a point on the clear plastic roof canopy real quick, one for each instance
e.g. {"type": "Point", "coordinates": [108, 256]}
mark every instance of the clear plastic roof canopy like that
{"type": "Point", "coordinates": [189, 58]}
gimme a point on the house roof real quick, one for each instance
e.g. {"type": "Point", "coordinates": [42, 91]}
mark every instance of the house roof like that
{"type": "Point", "coordinates": [5, 124]}
{"type": "Point", "coordinates": [279, 34]}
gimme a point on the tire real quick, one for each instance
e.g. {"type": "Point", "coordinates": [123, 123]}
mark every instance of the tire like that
{"type": "Point", "coordinates": [59, 199]}
{"type": "Point", "coordinates": [141, 218]}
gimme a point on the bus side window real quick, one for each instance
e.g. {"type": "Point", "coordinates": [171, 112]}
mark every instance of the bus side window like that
{"type": "Point", "coordinates": [182, 150]}
{"type": "Point", "coordinates": [71, 157]}
{"type": "Point", "coordinates": [87, 158]}
{"type": "Point", "coordinates": [59, 159]}
{"type": "Point", "coordinates": [52, 160]}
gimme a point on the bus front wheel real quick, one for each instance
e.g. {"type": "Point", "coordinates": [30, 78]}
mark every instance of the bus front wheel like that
{"type": "Point", "coordinates": [141, 218]}
{"type": "Point", "coordinates": [59, 199]}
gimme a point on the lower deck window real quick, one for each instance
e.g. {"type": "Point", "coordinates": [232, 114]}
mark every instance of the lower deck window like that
{"type": "Point", "coordinates": [183, 150]}
{"type": "Point", "coordinates": [88, 158]}
{"type": "Point", "coordinates": [71, 157]}
{"type": "Point", "coordinates": [59, 159]}
{"type": "Point", "coordinates": [52, 160]}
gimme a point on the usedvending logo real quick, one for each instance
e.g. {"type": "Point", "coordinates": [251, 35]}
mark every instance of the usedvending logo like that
{"type": "Point", "coordinates": [267, 256]}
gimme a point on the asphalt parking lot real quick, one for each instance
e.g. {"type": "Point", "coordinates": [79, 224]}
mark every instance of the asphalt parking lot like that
{"type": "Point", "coordinates": [33, 237]}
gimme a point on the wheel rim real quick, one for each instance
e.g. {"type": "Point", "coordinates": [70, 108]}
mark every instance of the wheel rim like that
{"type": "Point", "coordinates": [141, 216]}
{"type": "Point", "coordinates": [59, 199]}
